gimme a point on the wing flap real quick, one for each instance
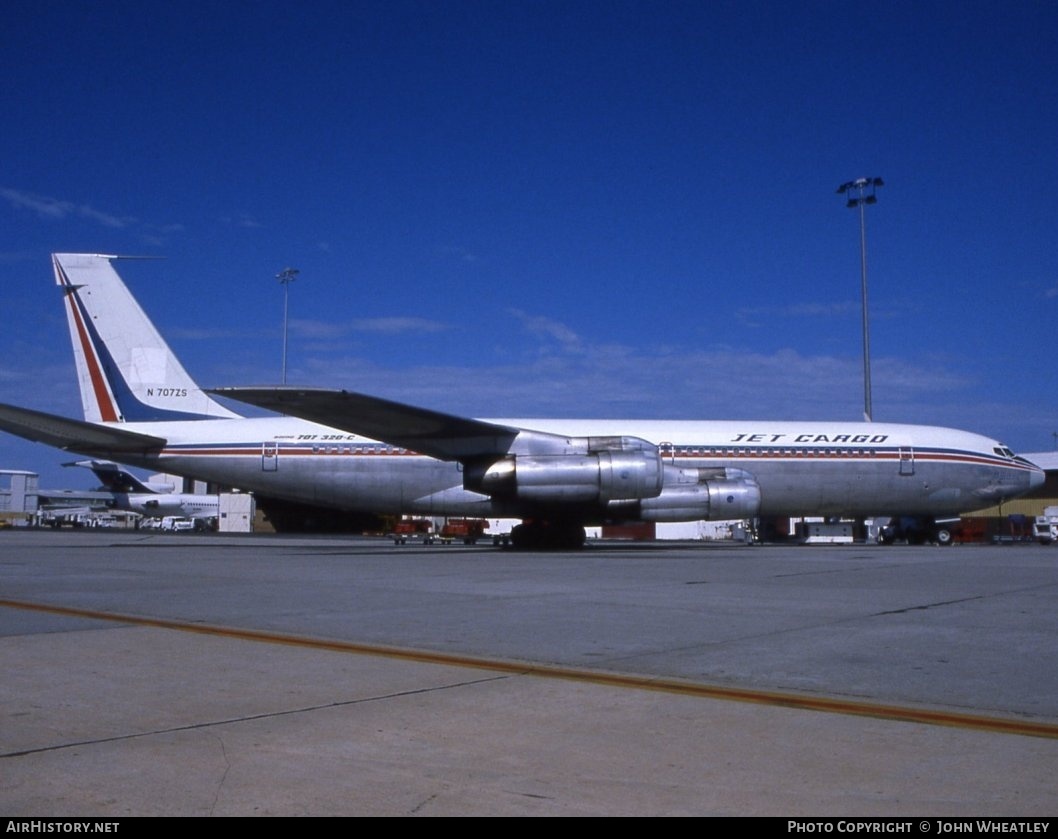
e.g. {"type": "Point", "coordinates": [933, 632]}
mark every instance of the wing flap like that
{"type": "Point", "coordinates": [74, 435]}
{"type": "Point", "coordinates": [444, 436]}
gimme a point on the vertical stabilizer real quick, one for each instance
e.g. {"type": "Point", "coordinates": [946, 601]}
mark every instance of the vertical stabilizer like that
{"type": "Point", "coordinates": [114, 478]}
{"type": "Point", "coordinates": [126, 371]}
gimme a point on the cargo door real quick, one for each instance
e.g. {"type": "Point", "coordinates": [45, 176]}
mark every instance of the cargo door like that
{"type": "Point", "coordinates": [907, 460]}
{"type": "Point", "coordinates": [667, 451]}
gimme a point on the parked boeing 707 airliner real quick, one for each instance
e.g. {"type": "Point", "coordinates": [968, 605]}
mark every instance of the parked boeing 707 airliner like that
{"type": "Point", "coordinates": [359, 453]}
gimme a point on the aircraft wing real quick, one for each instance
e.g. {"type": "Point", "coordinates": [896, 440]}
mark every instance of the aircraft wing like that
{"type": "Point", "coordinates": [444, 436]}
{"type": "Point", "coordinates": [74, 435]}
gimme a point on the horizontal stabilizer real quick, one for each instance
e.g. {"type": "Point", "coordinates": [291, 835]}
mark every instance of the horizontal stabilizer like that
{"type": "Point", "coordinates": [432, 433]}
{"type": "Point", "coordinates": [74, 435]}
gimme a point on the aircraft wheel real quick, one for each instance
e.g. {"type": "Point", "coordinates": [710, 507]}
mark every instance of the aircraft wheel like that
{"type": "Point", "coordinates": [520, 536]}
{"type": "Point", "coordinates": [548, 536]}
{"type": "Point", "coordinates": [571, 536]}
{"type": "Point", "coordinates": [944, 536]}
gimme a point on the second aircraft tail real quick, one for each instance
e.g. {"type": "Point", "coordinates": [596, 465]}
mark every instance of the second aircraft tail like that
{"type": "Point", "coordinates": [126, 371]}
{"type": "Point", "coordinates": [116, 479]}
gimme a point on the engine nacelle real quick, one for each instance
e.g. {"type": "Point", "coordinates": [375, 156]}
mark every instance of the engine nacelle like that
{"type": "Point", "coordinates": [709, 495]}
{"type": "Point", "coordinates": [596, 477]}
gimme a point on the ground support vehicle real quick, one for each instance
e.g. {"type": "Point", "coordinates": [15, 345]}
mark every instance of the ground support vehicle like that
{"type": "Point", "coordinates": [412, 530]}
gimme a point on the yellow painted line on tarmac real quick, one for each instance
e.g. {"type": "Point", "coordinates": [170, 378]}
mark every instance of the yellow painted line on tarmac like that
{"type": "Point", "coordinates": [898, 713]}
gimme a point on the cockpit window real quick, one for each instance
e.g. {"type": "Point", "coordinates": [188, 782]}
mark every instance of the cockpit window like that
{"type": "Point", "coordinates": [1003, 451]}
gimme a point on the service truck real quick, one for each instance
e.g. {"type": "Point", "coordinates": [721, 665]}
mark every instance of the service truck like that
{"type": "Point", "coordinates": [1045, 527]}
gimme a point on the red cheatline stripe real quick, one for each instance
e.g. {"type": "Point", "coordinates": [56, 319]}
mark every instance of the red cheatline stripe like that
{"type": "Point", "coordinates": [107, 410]}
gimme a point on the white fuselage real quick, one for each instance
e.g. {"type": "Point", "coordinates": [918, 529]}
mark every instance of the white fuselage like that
{"type": "Point", "coordinates": [802, 468]}
{"type": "Point", "coordinates": [161, 505]}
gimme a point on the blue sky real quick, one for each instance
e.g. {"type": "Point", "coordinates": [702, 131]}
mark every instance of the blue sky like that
{"type": "Point", "coordinates": [548, 208]}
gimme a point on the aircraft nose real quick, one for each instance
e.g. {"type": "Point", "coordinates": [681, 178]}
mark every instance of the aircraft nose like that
{"type": "Point", "coordinates": [1036, 478]}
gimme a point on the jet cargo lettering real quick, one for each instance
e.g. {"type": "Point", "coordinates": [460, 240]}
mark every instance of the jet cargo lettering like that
{"type": "Point", "coordinates": [810, 438]}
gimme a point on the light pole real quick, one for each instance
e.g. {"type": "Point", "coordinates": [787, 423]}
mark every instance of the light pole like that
{"type": "Point", "coordinates": [286, 277]}
{"type": "Point", "coordinates": [860, 192]}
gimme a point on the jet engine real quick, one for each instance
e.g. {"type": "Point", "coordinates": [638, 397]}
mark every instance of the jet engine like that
{"type": "Point", "coordinates": [626, 475]}
{"type": "Point", "coordinates": [594, 477]}
{"type": "Point", "coordinates": [699, 494]}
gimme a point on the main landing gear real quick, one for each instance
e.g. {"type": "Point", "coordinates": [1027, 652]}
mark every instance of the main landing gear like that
{"type": "Point", "coordinates": [544, 535]}
{"type": "Point", "coordinates": [916, 531]}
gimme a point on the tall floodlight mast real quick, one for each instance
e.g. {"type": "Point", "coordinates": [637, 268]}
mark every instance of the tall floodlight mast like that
{"type": "Point", "coordinates": [286, 277]}
{"type": "Point", "coordinates": [860, 193]}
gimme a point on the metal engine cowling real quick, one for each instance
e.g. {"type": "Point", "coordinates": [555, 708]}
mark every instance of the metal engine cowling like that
{"type": "Point", "coordinates": [596, 477]}
{"type": "Point", "coordinates": [702, 494]}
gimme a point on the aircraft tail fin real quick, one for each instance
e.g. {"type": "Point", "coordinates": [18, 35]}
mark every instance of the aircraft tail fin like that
{"type": "Point", "coordinates": [114, 478]}
{"type": "Point", "coordinates": [125, 370]}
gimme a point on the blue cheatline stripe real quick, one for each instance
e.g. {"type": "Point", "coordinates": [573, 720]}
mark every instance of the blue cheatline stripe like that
{"type": "Point", "coordinates": [376, 449]}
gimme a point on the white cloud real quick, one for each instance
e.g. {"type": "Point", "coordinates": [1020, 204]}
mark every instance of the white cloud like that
{"type": "Point", "coordinates": [242, 220]}
{"type": "Point", "coordinates": [462, 254]}
{"type": "Point", "coordinates": [55, 208]}
{"type": "Point", "coordinates": [549, 329]}
{"type": "Point", "coordinates": [324, 330]}
{"type": "Point", "coordinates": [761, 315]}
{"type": "Point", "coordinates": [619, 381]}
{"type": "Point", "coordinates": [393, 325]}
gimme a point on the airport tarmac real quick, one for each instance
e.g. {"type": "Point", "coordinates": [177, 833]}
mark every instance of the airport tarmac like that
{"type": "Point", "coordinates": [269, 675]}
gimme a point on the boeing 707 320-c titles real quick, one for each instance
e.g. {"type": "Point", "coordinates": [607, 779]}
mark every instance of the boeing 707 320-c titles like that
{"type": "Point", "coordinates": [363, 454]}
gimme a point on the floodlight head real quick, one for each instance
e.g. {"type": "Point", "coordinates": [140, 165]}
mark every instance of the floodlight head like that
{"type": "Point", "coordinates": [860, 185]}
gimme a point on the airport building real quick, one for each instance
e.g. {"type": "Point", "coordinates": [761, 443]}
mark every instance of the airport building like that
{"type": "Point", "coordinates": [24, 504]}
{"type": "Point", "coordinates": [18, 495]}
